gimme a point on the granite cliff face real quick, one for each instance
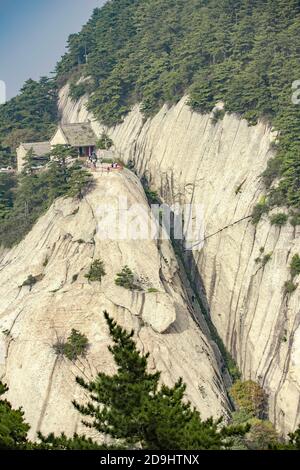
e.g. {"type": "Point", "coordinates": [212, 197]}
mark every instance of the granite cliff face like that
{"type": "Point", "coordinates": [58, 253]}
{"type": "Point", "coordinates": [189, 158]}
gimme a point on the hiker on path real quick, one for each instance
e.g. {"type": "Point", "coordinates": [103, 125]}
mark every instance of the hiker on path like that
{"type": "Point", "coordinates": [94, 159]}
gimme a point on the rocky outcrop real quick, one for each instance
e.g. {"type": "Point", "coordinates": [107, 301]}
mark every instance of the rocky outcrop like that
{"type": "Point", "coordinates": [189, 158]}
{"type": "Point", "coordinates": [58, 254]}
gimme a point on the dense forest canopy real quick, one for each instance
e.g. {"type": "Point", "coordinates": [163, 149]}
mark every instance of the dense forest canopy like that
{"type": "Point", "coordinates": [243, 52]}
{"type": "Point", "coordinates": [30, 116]}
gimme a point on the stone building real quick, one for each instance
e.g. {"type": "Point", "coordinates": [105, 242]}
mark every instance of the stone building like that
{"type": "Point", "coordinates": [79, 135]}
{"type": "Point", "coordinates": [40, 150]}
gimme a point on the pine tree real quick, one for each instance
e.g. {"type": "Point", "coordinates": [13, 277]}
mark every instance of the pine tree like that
{"type": "Point", "coordinates": [79, 181]}
{"type": "Point", "coordinates": [14, 433]}
{"type": "Point", "coordinates": [250, 397]}
{"type": "Point", "coordinates": [131, 406]}
{"type": "Point", "coordinates": [13, 428]}
{"type": "Point", "coordinates": [29, 162]}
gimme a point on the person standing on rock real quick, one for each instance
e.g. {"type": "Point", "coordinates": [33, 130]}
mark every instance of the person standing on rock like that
{"type": "Point", "coordinates": [94, 159]}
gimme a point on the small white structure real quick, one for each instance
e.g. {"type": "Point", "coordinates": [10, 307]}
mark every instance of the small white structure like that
{"type": "Point", "coordinates": [8, 169]}
{"type": "Point", "coordinates": [40, 151]}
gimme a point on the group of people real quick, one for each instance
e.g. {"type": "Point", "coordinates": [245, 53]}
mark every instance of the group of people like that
{"type": "Point", "coordinates": [93, 159]}
{"type": "Point", "coordinates": [113, 166]}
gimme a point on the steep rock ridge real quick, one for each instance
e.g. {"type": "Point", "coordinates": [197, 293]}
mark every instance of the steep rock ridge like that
{"type": "Point", "coordinates": [188, 158]}
{"type": "Point", "coordinates": [59, 251]}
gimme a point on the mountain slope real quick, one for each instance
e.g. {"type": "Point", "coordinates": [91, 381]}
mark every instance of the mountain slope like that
{"type": "Point", "coordinates": [153, 52]}
{"type": "Point", "coordinates": [188, 157]}
{"type": "Point", "coordinates": [58, 252]}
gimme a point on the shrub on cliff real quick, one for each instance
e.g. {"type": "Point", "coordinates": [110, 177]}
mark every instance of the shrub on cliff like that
{"type": "Point", "coordinates": [32, 280]}
{"type": "Point", "coordinates": [279, 219]}
{"type": "Point", "coordinates": [126, 279]}
{"type": "Point", "coordinates": [134, 410]}
{"type": "Point", "coordinates": [76, 346]}
{"type": "Point", "coordinates": [218, 115]}
{"type": "Point", "coordinates": [295, 266]}
{"type": "Point", "coordinates": [250, 397]}
{"type": "Point", "coordinates": [105, 142]}
{"type": "Point", "coordinates": [295, 218]}
{"type": "Point", "coordinates": [289, 287]}
{"type": "Point", "coordinates": [259, 210]}
{"type": "Point", "coordinates": [96, 271]}
{"type": "Point", "coordinates": [261, 435]}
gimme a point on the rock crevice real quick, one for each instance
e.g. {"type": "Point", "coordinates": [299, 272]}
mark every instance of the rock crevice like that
{"type": "Point", "coordinates": [189, 158]}
{"type": "Point", "coordinates": [63, 299]}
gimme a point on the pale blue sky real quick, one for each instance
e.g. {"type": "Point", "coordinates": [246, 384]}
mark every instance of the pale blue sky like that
{"type": "Point", "coordinates": [33, 36]}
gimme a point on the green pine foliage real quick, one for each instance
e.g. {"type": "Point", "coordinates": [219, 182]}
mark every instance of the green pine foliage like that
{"type": "Point", "coordinates": [245, 53]}
{"type": "Point", "coordinates": [29, 117]}
{"type": "Point", "coordinates": [80, 182]}
{"type": "Point", "coordinates": [292, 444]}
{"type": "Point", "coordinates": [289, 287]}
{"type": "Point", "coordinates": [279, 219]}
{"type": "Point", "coordinates": [7, 186]}
{"type": "Point", "coordinates": [76, 346]}
{"type": "Point", "coordinates": [295, 266]}
{"type": "Point", "coordinates": [31, 163]}
{"type": "Point", "coordinates": [96, 272]}
{"type": "Point", "coordinates": [218, 115]}
{"type": "Point", "coordinates": [52, 442]}
{"type": "Point", "coordinates": [295, 219]}
{"type": "Point", "coordinates": [126, 279]}
{"type": "Point", "coordinates": [14, 433]}
{"type": "Point", "coordinates": [36, 192]}
{"type": "Point", "coordinates": [105, 142]}
{"type": "Point", "coordinates": [259, 210]}
{"type": "Point", "coordinates": [250, 397]}
{"type": "Point", "coordinates": [79, 89]}
{"type": "Point", "coordinates": [135, 411]}
{"type": "Point", "coordinates": [13, 428]}
{"type": "Point", "coordinates": [264, 259]}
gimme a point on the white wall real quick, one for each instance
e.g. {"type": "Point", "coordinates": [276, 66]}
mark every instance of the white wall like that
{"type": "Point", "coordinates": [21, 154]}
{"type": "Point", "coordinates": [58, 138]}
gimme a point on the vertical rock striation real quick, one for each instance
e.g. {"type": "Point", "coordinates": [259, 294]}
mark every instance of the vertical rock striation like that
{"type": "Point", "coordinates": [188, 158]}
{"type": "Point", "coordinates": [58, 253]}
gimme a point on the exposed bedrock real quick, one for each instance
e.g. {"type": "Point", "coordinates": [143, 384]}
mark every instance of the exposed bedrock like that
{"type": "Point", "coordinates": [188, 158]}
